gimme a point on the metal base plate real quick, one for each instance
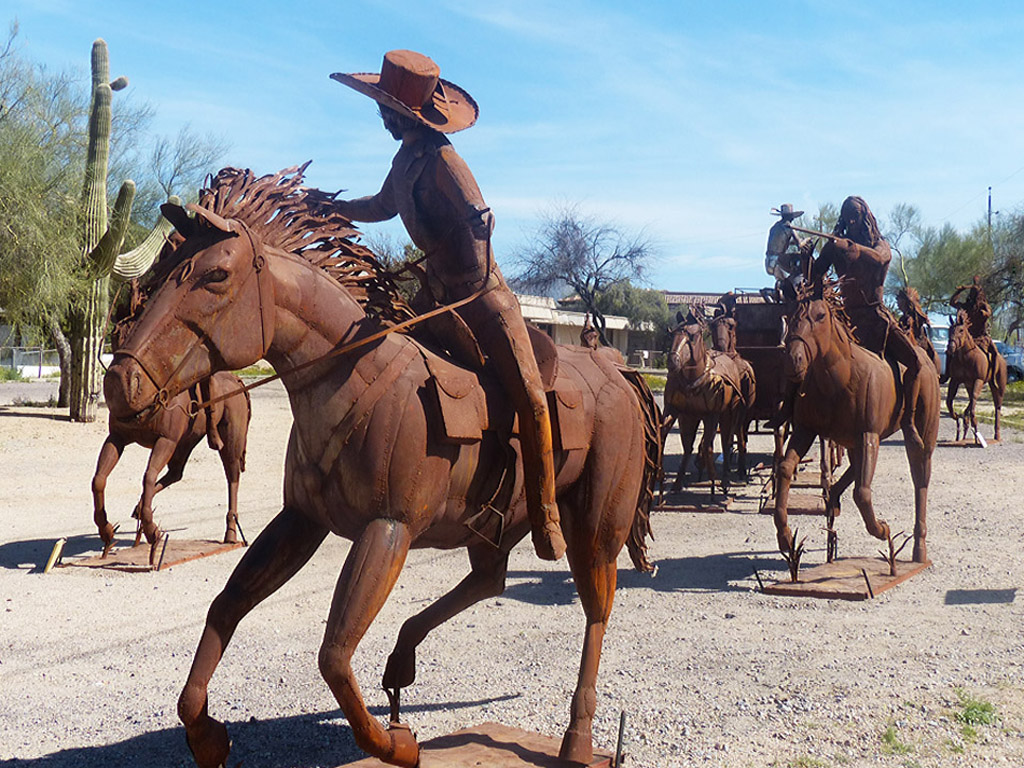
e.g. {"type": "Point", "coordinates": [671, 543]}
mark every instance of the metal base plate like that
{"type": "Point", "coordinates": [800, 504]}
{"type": "Point", "coordinates": [136, 559]}
{"type": "Point", "coordinates": [491, 745]}
{"type": "Point", "coordinates": [844, 579]}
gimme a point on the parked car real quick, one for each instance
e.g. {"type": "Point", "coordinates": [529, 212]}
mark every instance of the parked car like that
{"type": "Point", "coordinates": [939, 334]}
{"type": "Point", "coordinates": [1014, 360]}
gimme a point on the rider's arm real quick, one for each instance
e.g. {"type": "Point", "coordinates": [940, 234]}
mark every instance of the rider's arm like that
{"type": "Point", "coordinates": [378, 207]}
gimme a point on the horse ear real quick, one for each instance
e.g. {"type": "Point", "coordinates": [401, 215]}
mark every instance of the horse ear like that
{"type": "Point", "coordinates": [679, 316]}
{"type": "Point", "coordinates": [211, 218]}
{"type": "Point", "coordinates": [175, 214]}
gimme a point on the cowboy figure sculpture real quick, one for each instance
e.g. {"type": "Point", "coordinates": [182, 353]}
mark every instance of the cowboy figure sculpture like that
{"type": "Point", "coordinates": [972, 300]}
{"type": "Point", "coordinates": [435, 194]}
{"type": "Point", "coordinates": [786, 254]}
{"type": "Point", "coordinates": [860, 256]}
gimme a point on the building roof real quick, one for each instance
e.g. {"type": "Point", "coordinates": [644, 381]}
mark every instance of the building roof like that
{"type": "Point", "coordinates": [544, 309]}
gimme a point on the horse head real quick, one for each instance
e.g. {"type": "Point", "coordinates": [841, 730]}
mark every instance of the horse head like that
{"type": "Point", "coordinates": [810, 334]}
{"type": "Point", "coordinates": [214, 312]}
{"type": "Point", "coordinates": [723, 333]}
{"type": "Point", "coordinates": [688, 352]}
{"type": "Point", "coordinates": [960, 338]}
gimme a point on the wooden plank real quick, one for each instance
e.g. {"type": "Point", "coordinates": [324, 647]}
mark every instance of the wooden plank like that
{"type": "Point", "coordinates": [843, 579]}
{"type": "Point", "coordinates": [136, 559]}
{"type": "Point", "coordinates": [494, 746]}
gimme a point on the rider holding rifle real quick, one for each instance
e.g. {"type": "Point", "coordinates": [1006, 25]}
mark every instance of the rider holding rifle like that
{"type": "Point", "coordinates": [860, 256]}
{"type": "Point", "coordinates": [433, 191]}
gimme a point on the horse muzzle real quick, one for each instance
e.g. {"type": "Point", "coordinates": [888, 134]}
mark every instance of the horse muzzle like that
{"type": "Point", "coordinates": [796, 361]}
{"type": "Point", "coordinates": [127, 388]}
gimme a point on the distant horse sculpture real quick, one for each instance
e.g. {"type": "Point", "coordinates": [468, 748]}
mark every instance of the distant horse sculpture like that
{"type": "Point", "coordinates": [171, 434]}
{"type": "Point", "coordinates": [392, 446]}
{"type": "Point", "coordinates": [702, 387]}
{"type": "Point", "coordinates": [969, 365]}
{"type": "Point", "coordinates": [851, 396]}
{"type": "Point", "coordinates": [723, 339]}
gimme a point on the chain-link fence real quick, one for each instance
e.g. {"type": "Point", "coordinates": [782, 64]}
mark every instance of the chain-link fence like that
{"type": "Point", "coordinates": [31, 362]}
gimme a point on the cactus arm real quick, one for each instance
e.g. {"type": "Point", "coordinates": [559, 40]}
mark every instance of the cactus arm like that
{"type": "Point", "coordinates": [105, 252]}
{"type": "Point", "coordinates": [136, 262]}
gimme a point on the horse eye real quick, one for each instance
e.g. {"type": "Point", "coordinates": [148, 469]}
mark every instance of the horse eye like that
{"type": "Point", "coordinates": [215, 276]}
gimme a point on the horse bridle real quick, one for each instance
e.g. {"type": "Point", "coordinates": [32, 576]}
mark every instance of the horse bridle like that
{"type": "Point", "coordinates": [162, 396]}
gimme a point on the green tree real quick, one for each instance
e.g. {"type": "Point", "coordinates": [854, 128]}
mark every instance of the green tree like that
{"type": "Point", "coordinates": [646, 309]}
{"type": "Point", "coordinates": [587, 256]}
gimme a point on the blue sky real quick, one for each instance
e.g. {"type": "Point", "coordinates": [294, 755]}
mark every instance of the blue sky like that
{"type": "Point", "coordinates": [686, 120]}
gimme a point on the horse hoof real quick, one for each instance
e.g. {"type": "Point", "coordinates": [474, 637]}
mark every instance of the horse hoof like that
{"type": "Point", "coordinates": [577, 747]}
{"type": "Point", "coordinates": [209, 743]}
{"type": "Point", "coordinates": [400, 671]}
{"type": "Point", "coordinates": [404, 750]}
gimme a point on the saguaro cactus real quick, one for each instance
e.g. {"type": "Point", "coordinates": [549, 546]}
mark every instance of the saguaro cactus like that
{"type": "Point", "coordinates": [100, 242]}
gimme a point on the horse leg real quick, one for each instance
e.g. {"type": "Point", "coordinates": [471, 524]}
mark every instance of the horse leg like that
{"type": "Point", "coordinates": [371, 570]}
{"type": "Point", "coordinates": [865, 458]}
{"type": "Point", "coordinates": [799, 443]}
{"type": "Point", "coordinates": [707, 450]}
{"type": "Point", "coordinates": [277, 554]}
{"type": "Point", "coordinates": [687, 434]}
{"type": "Point", "coordinates": [176, 466]}
{"type": "Point", "coordinates": [835, 491]}
{"type": "Point", "coordinates": [161, 454]}
{"type": "Point", "coordinates": [972, 406]}
{"type": "Point", "coordinates": [595, 575]}
{"type": "Point", "coordinates": [232, 462]}
{"type": "Point", "coordinates": [997, 387]}
{"type": "Point", "coordinates": [486, 579]}
{"type": "Point", "coordinates": [110, 454]}
{"type": "Point", "coordinates": [951, 390]}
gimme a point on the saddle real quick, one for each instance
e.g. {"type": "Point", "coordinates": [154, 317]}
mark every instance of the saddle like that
{"type": "Point", "coordinates": [468, 403]}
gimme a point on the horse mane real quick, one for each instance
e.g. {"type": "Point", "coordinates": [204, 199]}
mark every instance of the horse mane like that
{"type": "Point", "coordinates": [826, 291]}
{"type": "Point", "coordinates": [301, 221]}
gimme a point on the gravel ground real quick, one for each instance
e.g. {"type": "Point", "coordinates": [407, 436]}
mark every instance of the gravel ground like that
{"type": "Point", "coordinates": [710, 671]}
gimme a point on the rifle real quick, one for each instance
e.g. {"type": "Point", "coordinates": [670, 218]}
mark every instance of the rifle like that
{"type": "Point", "coordinates": [814, 232]}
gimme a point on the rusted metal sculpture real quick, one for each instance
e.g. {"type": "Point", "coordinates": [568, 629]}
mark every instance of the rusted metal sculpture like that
{"type": "Point", "coordinates": [433, 191]}
{"type": "Point", "coordinates": [723, 339]}
{"type": "Point", "coordinates": [851, 396]}
{"type": "Point", "coordinates": [172, 433]}
{"type": "Point", "coordinates": [968, 363]}
{"type": "Point", "coordinates": [914, 320]}
{"type": "Point", "coordinates": [392, 446]}
{"type": "Point", "coordinates": [703, 387]}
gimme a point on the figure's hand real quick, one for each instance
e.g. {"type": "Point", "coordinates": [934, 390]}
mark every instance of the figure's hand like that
{"type": "Point", "coordinates": [847, 247]}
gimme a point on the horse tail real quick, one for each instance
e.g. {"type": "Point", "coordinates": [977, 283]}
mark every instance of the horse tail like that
{"type": "Point", "coordinates": [636, 542]}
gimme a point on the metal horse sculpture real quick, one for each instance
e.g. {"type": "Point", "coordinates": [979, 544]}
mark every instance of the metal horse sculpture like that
{"type": "Point", "coordinates": [723, 339]}
{"type": "Point", "coordinates": [702, 387]}
{"type": "Point", "coordinates": [969, 365]}
{"type": "Point", "coordinates": [851, 396]}
{"type": "Point", "coordinates": [172, 433]}
{"type": "Point", "coordinates": [368, 457]}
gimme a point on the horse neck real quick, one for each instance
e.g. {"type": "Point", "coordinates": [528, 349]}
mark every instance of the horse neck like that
{"type": "Point", "coordinates": [833, 361]}
{"type": "Point", "coordinates": [313, 315]}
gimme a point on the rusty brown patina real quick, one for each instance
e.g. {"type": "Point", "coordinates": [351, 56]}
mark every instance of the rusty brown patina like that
{"type": "Point", "coordinates": [973, 363]}
{"type": "Point", "coordinates": [393, 447]}
{"type": "Point", "coordinates": [852, 396]}
{"type": "Point", "coordinates": [172, 433]}
{"type": "Point", "coordinates": [703, 387]}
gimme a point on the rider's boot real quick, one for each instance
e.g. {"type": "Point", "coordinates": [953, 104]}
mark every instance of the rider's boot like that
{"type": "Point", "coordinates": [539, 478]}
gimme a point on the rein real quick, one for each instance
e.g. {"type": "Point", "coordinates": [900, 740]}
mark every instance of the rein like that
{"type": "Point", "coordinates": [258, 263]}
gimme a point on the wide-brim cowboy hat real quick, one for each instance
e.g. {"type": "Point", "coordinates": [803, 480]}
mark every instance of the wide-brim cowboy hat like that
{"type": "Point", "coordinates": [410, 84]}
{"type": "Point", "coordinates": [786, 212]}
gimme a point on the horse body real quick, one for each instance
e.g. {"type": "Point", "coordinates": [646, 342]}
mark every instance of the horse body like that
{"type": "Point", "coordinates": [171, 435]}
{"type": "Point", "coordinates": [367, 460]}
{"type": "Point", "coordinates": [853, 397]}
{"type": "Point", "coordinates": [970, 366]}
{"type": "Point", "coordinates": [702, 387]}
{"type": "Point", "coordinates": [723, 339]}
